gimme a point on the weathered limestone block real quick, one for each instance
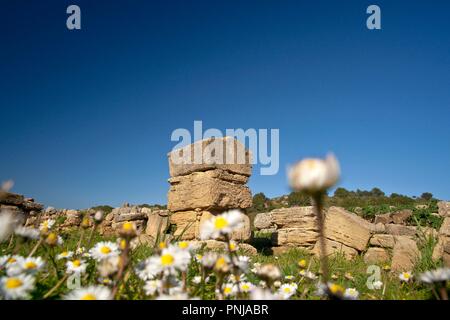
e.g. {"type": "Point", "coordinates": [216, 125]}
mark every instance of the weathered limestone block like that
{"type": "Point", "coordinates": [384, 218]}
{"type": "Point", "coordinates": [347, 228]}
{"type": "Point", "coordinates": [130, 217]}
{"type": "Point", "coordinates": [263, 220]}
{"type": "Point", "coordinates": [73, 219]}
{"type": "Point", "coordinates": [382, 240]}
{"type": "Point", "coordinates": [294, 237]}
{"type": "Point", "coordinates": [444, 208]}
{"type": "Point", "coordinates": [333, 247]}
{"type": "Point", "coordinates": [295, 217]}
{"type": "Point", "coordinates": [401, 230]}
{"type": "Point", "coordinates": [376, 255]}
{"type": "Point", "coordinates": [405, 254]}
{"type": "Point", "coordinates": [222, 246]}
{"type": "Point", "coordinates": [186, 224]}
{"type": "Point", "coordinates": [214, 153]}
{"type": "Point", "coordinates": [442, 248]}
{"type": "Point", "coordinates": [156, 224]}
{"type": "Point", "coordinates": [206, 190]}
{"type": "Point", "coordinates": [401, 217]}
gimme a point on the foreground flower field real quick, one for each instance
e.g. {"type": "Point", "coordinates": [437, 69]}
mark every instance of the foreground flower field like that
{"type": "Point", "coordinates": [81, 265]}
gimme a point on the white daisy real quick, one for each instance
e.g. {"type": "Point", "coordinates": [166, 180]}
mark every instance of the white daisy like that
{"type": "Point", "coordinates": [351, 294]}
{"type": "Point", "coordinates": [246, 286]}
{"type": "Point", "coordinates": [307, 274]}
{"type": "Point", "coordinates": [222, 224]}
{"type": "Point", "coordinates": [76, 266]}
{"type": "Point", "coordinates": [208, 260]}
{"type": "Point", "coordinates": [435, 276]}
{"type": "Point", "coordinates": [3, 260]}
{"type": "Point", "coordinates": [103, 250]}
{"type": "Point", "coordinates": [229, 289]}
{"type": "Point", "coordinates": [109, 266]}
{"type": "Point", "coordinates": [152, 286]}
{"type": "Point", "coordinates": [405, 276]}
{"type": "Point", "coordinates": [27, 233]}
{"type": "Point", "coordinates": [269, 272]}
{"type": "Point", "coordinates": [64, 255]}
{"type": "Point", "coordinates": [196, 280]}
{"type": "Point", "coordinates": [171, 260]}
{"type": "Point", "coordinates": [146, 271]}
{"type": "Point", "coordinates": [242, 262]}
{"type": "Point", "coordinates": [287, 290]}
{"type": "Point", "coordinates": [16, 287]}
{"type": "Point", "coordinates": [46, 225]}
{"type": "Point", "coordinates": [28, 265]}
{"type": "Point", "coordinates": [90, 293]}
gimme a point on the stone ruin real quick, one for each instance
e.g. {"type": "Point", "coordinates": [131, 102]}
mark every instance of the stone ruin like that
{"type": "Point", "coordinates": [199, 191]}
{"type": "Point", "coordinates": [387, 239]}
{"type": "Point", "coordinates": [22, 208]}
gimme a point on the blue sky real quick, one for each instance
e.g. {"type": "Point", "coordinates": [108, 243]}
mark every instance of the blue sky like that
{"type": "Point", "coordinates": [87, 115]}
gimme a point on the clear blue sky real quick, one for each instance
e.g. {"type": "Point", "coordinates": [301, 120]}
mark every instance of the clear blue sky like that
{"type": "Point", "coordinates": [86, 116]}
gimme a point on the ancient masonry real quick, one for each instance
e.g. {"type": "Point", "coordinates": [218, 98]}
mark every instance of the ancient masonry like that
{"type": "Point", "coordinates": [22, 208]}
{"type": "Point", "coordinates": [388, 239]}
{"type": "Point", "coordinates": [200, 191]}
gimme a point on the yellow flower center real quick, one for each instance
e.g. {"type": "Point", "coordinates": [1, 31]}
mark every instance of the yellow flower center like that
{"type": "Point", "coordinates": [12, 260]}
{"type": "Point", "coordinates": [183, 244]}
{"type": "Point", "coordinates": [64, 254]}
{"type": "Point", "coordinates": [52, 238]}
{"type": "Point", "coordinates": [128, 226]}
{"type": "Point", "coordinates": [227, 290]}
{"type": "Point", "coordinates": [105, 250]}
{"type": "Point", "coordinates": [311, 163]}
{"type": "Point", "coordinates": [167, 259]}
{"type": "Point", "coordinates": [30, 265]}
{"type": "Point", "coordinates": [89, 296]}
{"type": "Point", "coordinates": [76, 263]}
{"type": "Point", "coordinates": [123, 244]}
{"type": "Point", "coordinates": [245, 287]}
{"type": "Point", "coordinates": [406, 275]}
{"type": "Point", "coordinates": [302, 263]}
{"type": "Point", "coordinates": [287, 289]}
{"type": "Point", "coordinates": [13, 283]}
{"type": "Point", "coordinates": [335, 288]}
{"type": "Point", "coordinates": [162, 245]}
{"type": "Point", "coordinates": [232, 246]}
{"type": "Point", "coordinates": [220, 262]}
{"type": "Point", "coordinates": [220, 223]}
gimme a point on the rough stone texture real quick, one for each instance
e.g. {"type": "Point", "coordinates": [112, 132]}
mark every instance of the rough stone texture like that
{"type": "Point", "coordinates": [333, 247]}
{"type": "Point", "coordinates": [376, 255]}
{"type": "Point", "coordinates": [295, 217]}
{"type": "Point", "coordinates": [156, 224]}
{"type": "Point", "coordinates": [442, 248]}
{"type": "Point", "coordinates": [22, 208]}
{"type": "Point", "coordinates": [294, 237]}
{"type": "Point", "coordinates": [263, 220]}
{"type": "Point", "coordinates": [73, 219]}
{"type": "Point", "coordinates": [383, 218]}
{"type": "Point", "coordinates": [186, 224]}
{"type": "Point", "coordinates": [400, 217]}
{"type": "Point", "coordinates": [405, 254]}
{"type": "Point", "coordinates": [444, 208]}
{"type": "Point", "coordinates": [207, 190]}
{"type": "Point", "coordinates": [382, 240]}
{"type": "Point", "coordinates": [400, 230]}
{"type": "Point", "coordinates": [228, 154]}
{"type": "Point", "coordinates": [139, 224]}
{"type": "Point", "coordinates": [132, 216]}
{"type": "Point", "coordinates": [347, 228]}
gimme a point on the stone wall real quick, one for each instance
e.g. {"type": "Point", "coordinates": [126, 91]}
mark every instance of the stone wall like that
{"type": "Point", "coordinates": [23, 208]}
{"type": "Point", "coordinates": [349, 234]}
{"type": "Point", "coordinates": [199, 191]}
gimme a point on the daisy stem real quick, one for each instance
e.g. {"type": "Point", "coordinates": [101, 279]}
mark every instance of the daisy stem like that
{"type": "Point", "coordinates": [60, 282]}
{"type": "Point", "coordinates": [234, 267]}
{"type": "Point", "coordinates": [91, 234]}
{"type": "Point", "coordinates": [81, 239]}
{"type": "Point", "coordinates": [317, 201]}
{"type": "Point", "coordinates": [443, 293]}
{"type": "Point", "coordinates": [123, 265]}
{"type": "Point", "coordinates": [33, 251]}
{"type": "Point", "coordinates": [203, 282]}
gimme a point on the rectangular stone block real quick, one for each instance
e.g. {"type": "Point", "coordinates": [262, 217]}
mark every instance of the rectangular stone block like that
{"type": "Point", "coordinates": [206, 190]}
{"type": "Point", "coordinates": [225, 153]}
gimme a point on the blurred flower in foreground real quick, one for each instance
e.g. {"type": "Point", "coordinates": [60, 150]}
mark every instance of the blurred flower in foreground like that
{"type": "Point", "coordinates": [7, 224]}
{"type": "Point", "coordinates": [16, 287]}
{"type": "Point", "coordinates": [220, 225]}
{"type": "Point", "coordinates": [90, 293]}
{"type": "Point", "coordinates": [351, 294]}
{"type": "Point", "coordinates": [263, 294]}
{"type": "Point", "coordinates": [435, 276]}
{"type": "Point", "coordinates": [104, 249]}
{"type": "Point", "coordinates": [27, 233]}
{"type": "Point", "coordinates": [314, 175]}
